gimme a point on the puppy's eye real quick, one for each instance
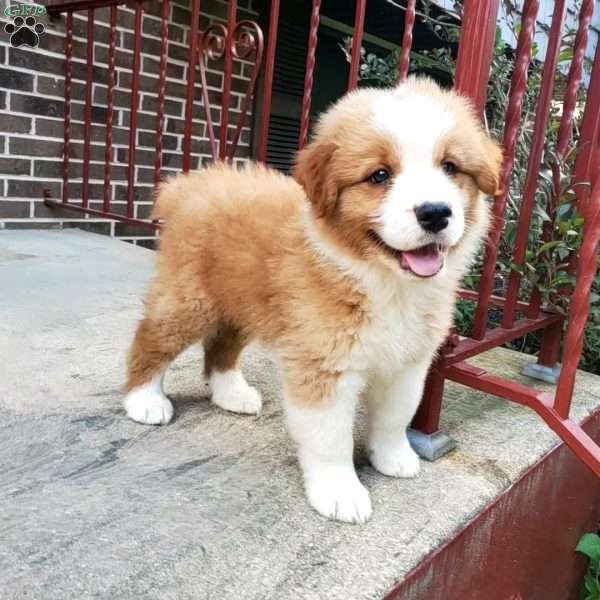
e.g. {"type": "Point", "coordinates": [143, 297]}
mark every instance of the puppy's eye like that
{"type": "Point", "coordinates": [449, 167]}
{"type": "Point", "coordinates": [379, 176]}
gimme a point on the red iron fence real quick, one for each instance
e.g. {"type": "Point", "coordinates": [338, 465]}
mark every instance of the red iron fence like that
{"type": "Point", "coordinates": [243, 40]}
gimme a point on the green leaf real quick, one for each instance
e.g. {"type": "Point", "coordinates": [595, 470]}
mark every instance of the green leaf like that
{"type": "Point", "coordinates": [548, 246]}
{"type": "Point", "coordinates": [566, 54]}
{"type": "Point", "coordinates": [591, 587]}
{"type": "Point", "coordinates": [589, 545]}
{"type": "Point", "coordinates": [516, 267]}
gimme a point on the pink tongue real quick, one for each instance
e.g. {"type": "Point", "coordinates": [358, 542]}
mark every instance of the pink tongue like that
{"type": "Point", "coordinates": [424, 262]}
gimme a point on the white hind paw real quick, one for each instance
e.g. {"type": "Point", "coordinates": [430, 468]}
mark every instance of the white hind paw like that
{"type": "Point", "coordinates": [231, 392]}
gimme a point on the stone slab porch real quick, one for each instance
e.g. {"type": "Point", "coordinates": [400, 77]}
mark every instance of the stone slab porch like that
{"type": "Point", "coordinates": [211, 506]}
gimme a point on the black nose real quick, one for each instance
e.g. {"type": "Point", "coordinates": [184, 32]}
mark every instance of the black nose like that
{"type": "Point", "coordinates": [433, 216]}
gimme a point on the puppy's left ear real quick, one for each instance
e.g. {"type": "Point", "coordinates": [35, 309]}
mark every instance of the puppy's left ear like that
{"type": "Point", "coordinates": [313, 171]}
{"type": "Point", "coordinates": [488, 173]}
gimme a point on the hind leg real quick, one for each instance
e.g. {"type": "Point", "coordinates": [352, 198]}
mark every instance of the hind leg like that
{"type": "Point", "coordinates": [169, 327]}
{"type": "Point", "coordinates": [229, 389]}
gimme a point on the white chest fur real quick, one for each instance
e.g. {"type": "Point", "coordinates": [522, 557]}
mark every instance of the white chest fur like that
{"type": "Point", "coordinates": [407, 322]}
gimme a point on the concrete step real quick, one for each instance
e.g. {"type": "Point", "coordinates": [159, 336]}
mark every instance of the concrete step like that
{"type": "Point", "coordinates": [211, 506]}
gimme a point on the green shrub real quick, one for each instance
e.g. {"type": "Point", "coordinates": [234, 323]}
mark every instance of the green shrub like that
{"type": "Point", "coordinates": [589, 545]}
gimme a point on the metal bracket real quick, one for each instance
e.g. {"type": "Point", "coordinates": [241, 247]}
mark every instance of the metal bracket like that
{"type": "Point", "coordinates": [542, 373]}
{"type": "Point", "coordinates": [430, 446]}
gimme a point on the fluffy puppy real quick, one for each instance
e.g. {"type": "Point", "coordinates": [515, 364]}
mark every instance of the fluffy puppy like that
{"type": "Point", "coordinates": [348, 272]}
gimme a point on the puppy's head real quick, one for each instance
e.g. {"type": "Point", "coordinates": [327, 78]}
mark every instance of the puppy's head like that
{"type": "Point", "coordinates": [399, 176]}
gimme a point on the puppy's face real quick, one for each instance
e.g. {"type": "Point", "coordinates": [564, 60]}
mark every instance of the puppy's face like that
{"type": "Point", "coordinates": [397, 176]}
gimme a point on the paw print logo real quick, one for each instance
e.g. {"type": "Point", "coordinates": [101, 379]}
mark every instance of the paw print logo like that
{"type": "Point", "coordinates": [24, 32]}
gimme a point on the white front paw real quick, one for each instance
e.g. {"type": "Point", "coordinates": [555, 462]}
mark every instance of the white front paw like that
{"type": "Point", "coordinates": [339, 496]}
{"type": "Point", "coordinates": [147, 404]}
{"type": "Point", "coordinates": [395, 459]}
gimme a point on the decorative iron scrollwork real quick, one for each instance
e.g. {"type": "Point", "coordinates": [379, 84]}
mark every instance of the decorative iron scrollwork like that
{"type": "Point", "coordinates": [245, 42]}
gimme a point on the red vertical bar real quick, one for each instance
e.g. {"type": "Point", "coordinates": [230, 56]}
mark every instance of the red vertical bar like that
{"type": "Point", "coordinates": [585, 169]}
{"type": "Point", "coordinates": [535, 158]}
{"type": "Point", "coordinates": [589, 133]}
{"type": "Point", "coordinates": [551, 346]}
{"type": "Point", "coordinates": [427, 417]}
{"type": "Point", "coordinates": [110, 107]}
{"type": "Point", "coordinates": [574, 76]}
{"type": "Point", "coordinates": [357, 36]}
{"type": "Point", "coordinates": [87, 116]}
{"type": "Point", "coordinates": [511, 130]}
{"type": "Point", "coordinates": [135, 85]}
{"type": "Point", "coordinates": [67, 122]}
{"type": "Point", "coordinates": [579, 307]}
{"type": "Point", "coordinates": [475, 50]}
{"type": "Point", "coordinates": [407, 37]}
{"type": "Point", "coordinates": [268, 80]}
{"type": "Point", "coordinates": [189, 102]}
{"type": "Point", "coordinates": [309, 71]}
{"type": "Point", "coordinates": [227, 73]}
{"type": "Point", "coordinates": [162, 84]}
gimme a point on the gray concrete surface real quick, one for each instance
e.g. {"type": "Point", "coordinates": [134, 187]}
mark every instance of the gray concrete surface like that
{"type": "Point", "coordinates": [211, 506]}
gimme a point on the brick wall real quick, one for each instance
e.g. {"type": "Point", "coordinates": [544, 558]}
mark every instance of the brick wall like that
{"type": "Point", "coordinates": [32, 105]}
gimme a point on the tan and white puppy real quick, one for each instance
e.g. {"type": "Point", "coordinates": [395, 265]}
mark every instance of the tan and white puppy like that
{"type": "Point", "coordinates": [348, 272]}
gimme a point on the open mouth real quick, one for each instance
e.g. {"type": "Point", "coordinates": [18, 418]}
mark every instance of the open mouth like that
{"type": "Point", "coordinates": [425, 261]}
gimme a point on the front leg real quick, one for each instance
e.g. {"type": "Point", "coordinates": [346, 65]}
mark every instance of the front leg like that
{"type": "Point", "coordinates": [392, 405]}
{"type": "Point", "coordinates": [323, 431]}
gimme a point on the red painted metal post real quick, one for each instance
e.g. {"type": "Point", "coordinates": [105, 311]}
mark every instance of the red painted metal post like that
{"type": "Point", "coordinates": [550, 348]}
{"type": "Point", "coordinates": [586, 169]}
{"type": "Point", "coordinates": [309, 72]}
{"type": "Point", "coordinates": [87, 117]}
{"type": "Point", "coordinates": [162, 84]}
{"type": "Point", "coordinates": [574, 76]}
{"type": "Point", "coordinates": [475, 50]}
{"type": "Point", "coordinates": [407, 37]}
{"type": "Point", "coordinates": [268, 81]}
{"type": "Point", "coordinates": [227, 74]}
{"type": "Point", "coordinates": [191, 79]}
{"type": "Point", "coordinates": [67, 121]}
{"type": "Point", "coordinates": [135, 85]}
{"type": "Point", "coordinates": [511, 129]}
{"type": "Point", "coordinates": [535, 158]}
{"type": "Point", "coordinates": [357, 35]}
{"type": "Point", "coordinates": [589, 134]}
{"type": "Point", "coordinates": [549, 353]}
{"type": "Point", "coordinates": [110, 107]}
{"type": "Point", "coordinates": [427, 417]}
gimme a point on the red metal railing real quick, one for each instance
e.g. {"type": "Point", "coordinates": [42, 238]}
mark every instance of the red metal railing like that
{"type": "Point", "coordinates": [554, 409]}
{"type": "Point", "coordinates": [235, 40]}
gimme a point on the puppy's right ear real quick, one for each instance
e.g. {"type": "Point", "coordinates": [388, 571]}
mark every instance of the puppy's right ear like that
{"type": "Point", "coordinates": [314, 172]}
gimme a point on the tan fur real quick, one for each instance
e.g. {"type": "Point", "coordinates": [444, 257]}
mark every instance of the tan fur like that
{"type": "Point", "coordinates": [235, 262]}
